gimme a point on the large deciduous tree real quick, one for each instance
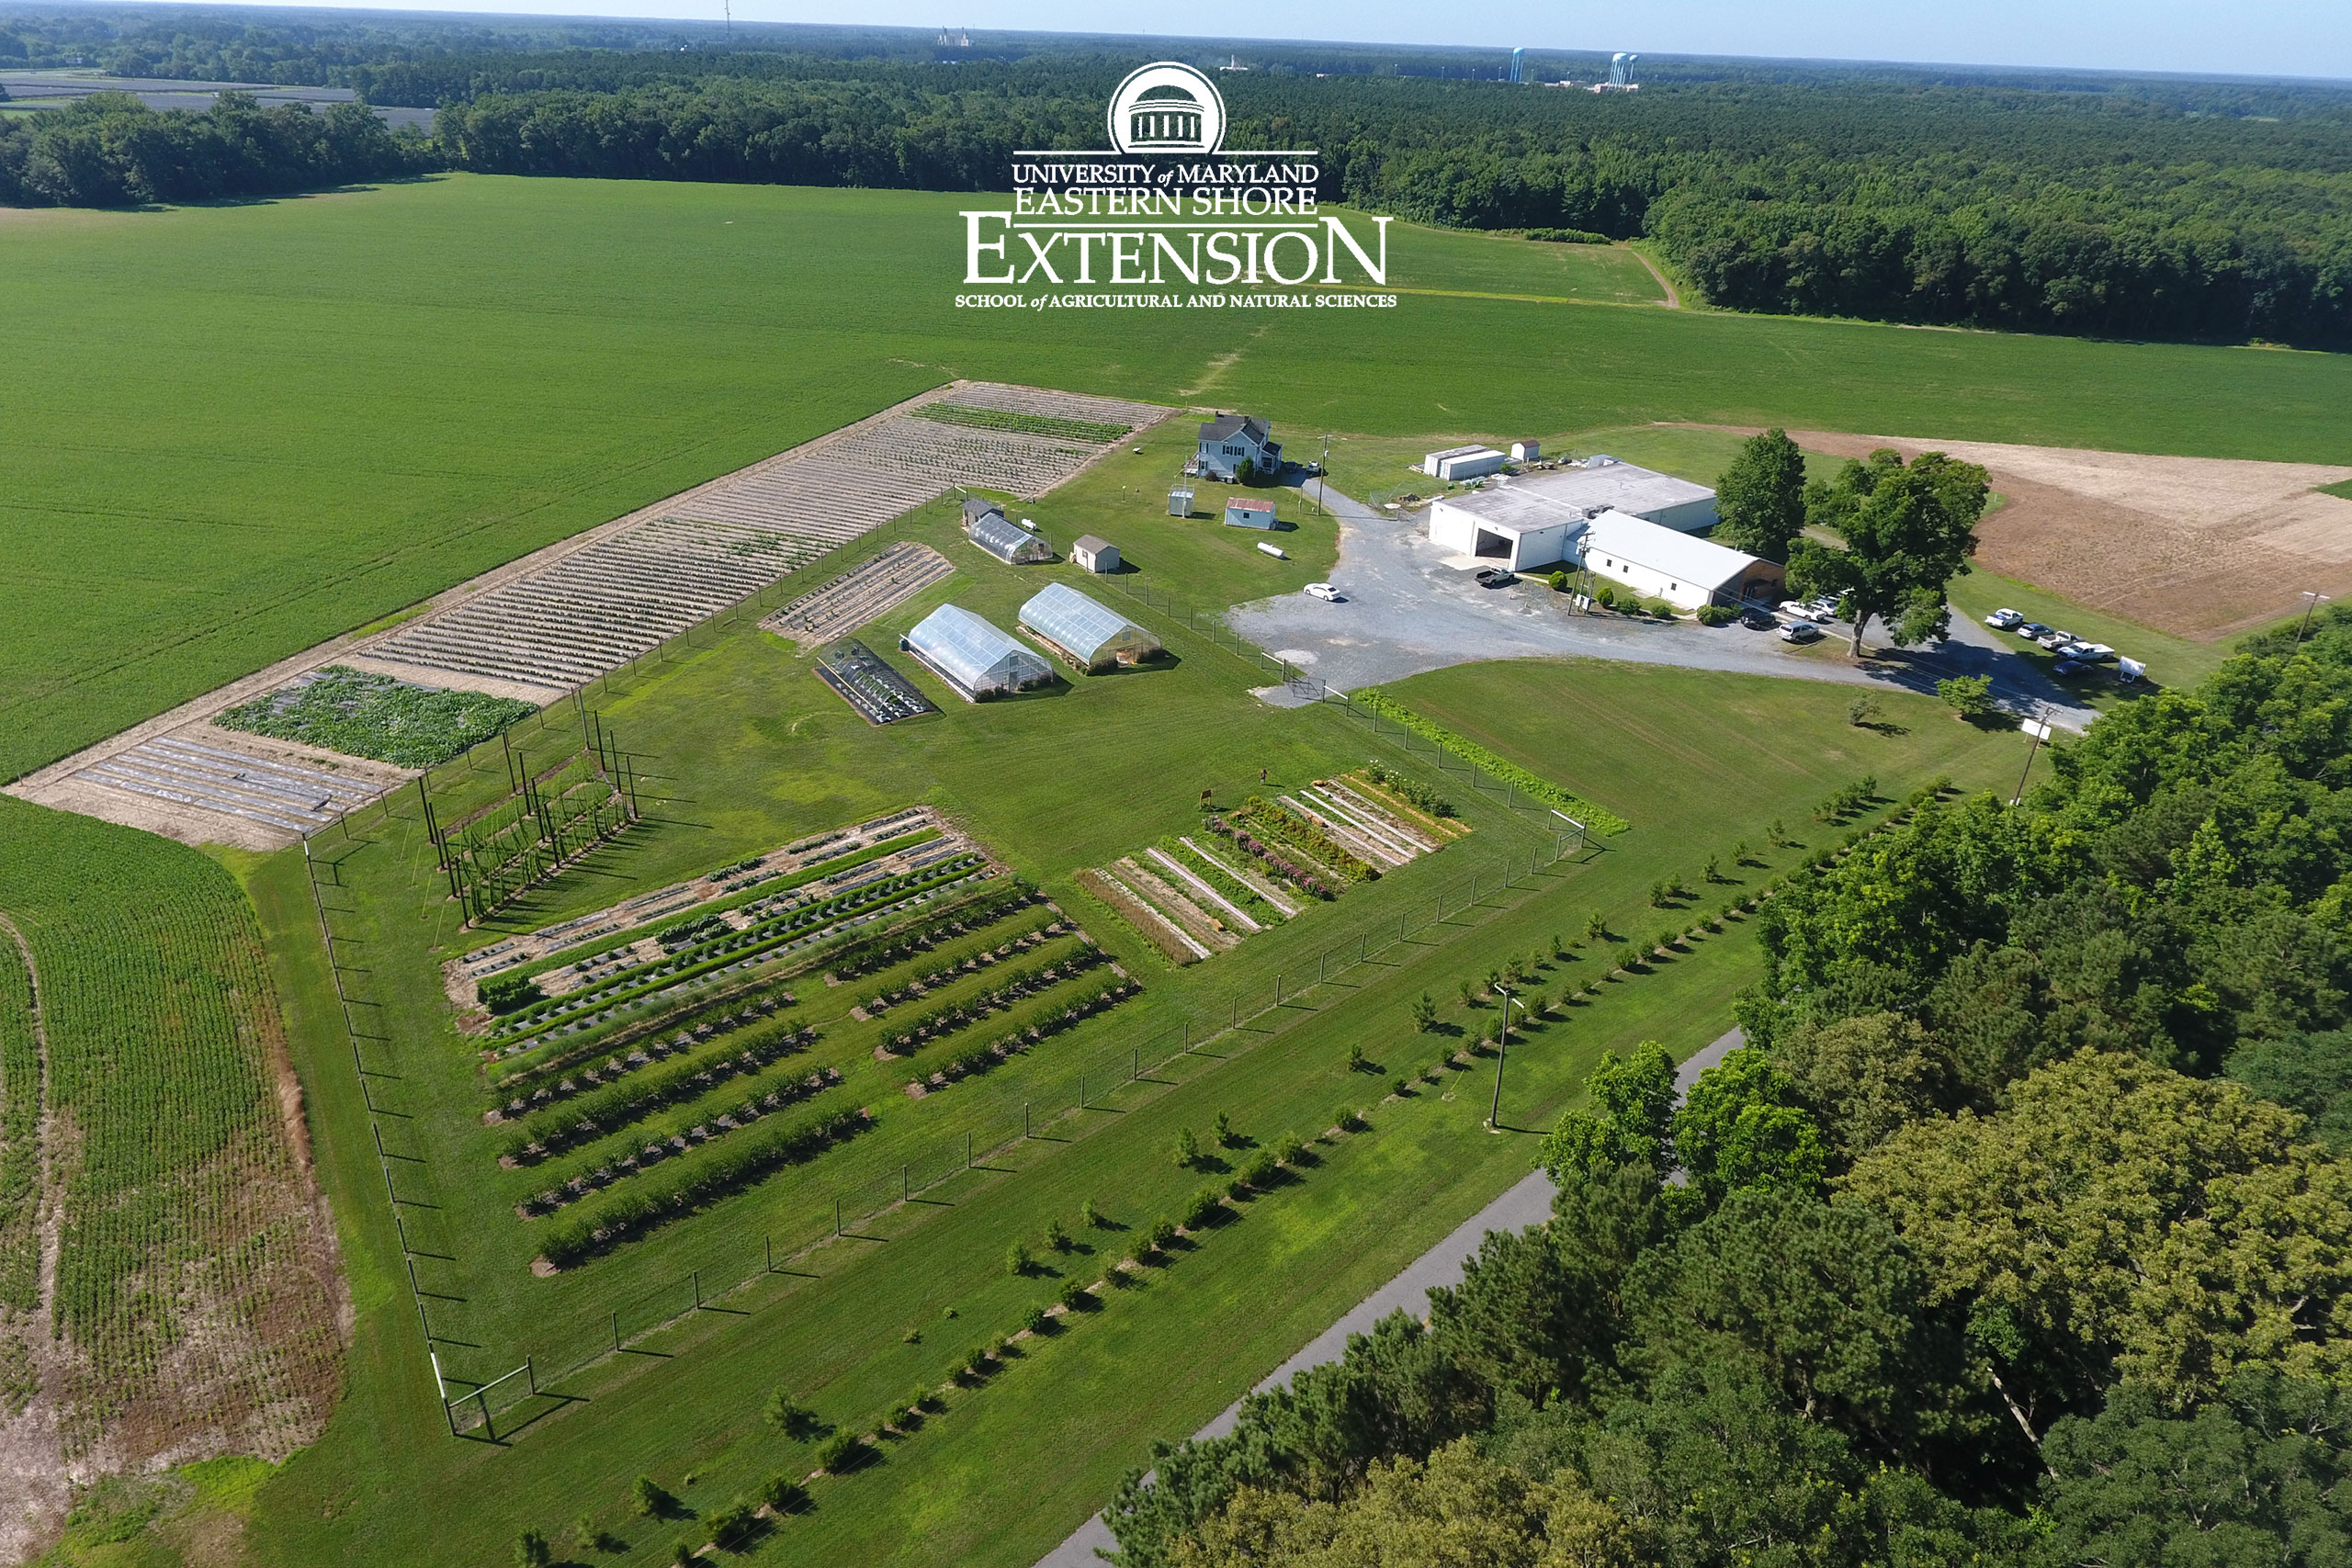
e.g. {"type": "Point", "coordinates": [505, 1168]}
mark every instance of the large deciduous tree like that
{"type": "Point", "coordinates": [1909, 531]}
{"type": "Point", "coordinates": [2118, 1220]}
{"type": "Point", "coordinates": [1629, 1119]}
{"type": "Point", "coordinates": [1759, 500]}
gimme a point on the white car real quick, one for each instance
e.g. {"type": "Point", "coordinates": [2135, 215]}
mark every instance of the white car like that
{"type": "Point", "coordinates": [2002, 620]}
{"type": "Point", "coordinates": [2056, 640]}
{"type": "Point", "coordinates": [1822, 609]}
{"type": "Point", "coordinates": [2096, 653]}
{"type": "Point", "coordinates": [1797, 607]}
{"type": "Point", "coordinates": [1800, 631]}
{"type": "Point", "coordinates": [1324, 591]}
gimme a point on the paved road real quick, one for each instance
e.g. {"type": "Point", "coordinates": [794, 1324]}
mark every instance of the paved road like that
{"type": "Point", "coordinates": [1407, 611]}
{"type": "Point", "coordinates": [1529, 1202]}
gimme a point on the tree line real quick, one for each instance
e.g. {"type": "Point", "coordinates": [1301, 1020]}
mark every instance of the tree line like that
{"type": "Point", "coordinates": [2172, 211]}
{"type": "Point", "coordinates": [2019, 1234]}
{"type": "Point", "coordinates": [106, 150]}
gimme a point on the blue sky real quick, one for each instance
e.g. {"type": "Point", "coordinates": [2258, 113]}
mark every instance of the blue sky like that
{"type": "Point", "coordinates": [2298, 37]}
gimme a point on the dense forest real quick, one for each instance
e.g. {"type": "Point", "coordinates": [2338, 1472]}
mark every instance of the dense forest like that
{"type": "Point", "coordinates": [2172, 209]}
{"type": "Point", "coordinates": [2019, 1233]}
{"type": "Point", "coordinates": [107, 150]}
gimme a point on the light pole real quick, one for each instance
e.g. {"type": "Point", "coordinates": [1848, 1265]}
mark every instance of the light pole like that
{"type": "Point", "coordinates": [2311, 601]}
{"type": "Point", "coordinates": [1502, 1049]}
{"type": "Point", "coordinates": [1323, 480]}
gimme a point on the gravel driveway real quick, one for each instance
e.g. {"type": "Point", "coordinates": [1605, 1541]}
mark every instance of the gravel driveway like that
{"type": "Point", "coordinates": [1406, 611]}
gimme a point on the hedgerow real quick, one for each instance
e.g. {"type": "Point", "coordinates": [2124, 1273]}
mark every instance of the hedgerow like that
{"type": "Point", "coordinates": [1597, 819]}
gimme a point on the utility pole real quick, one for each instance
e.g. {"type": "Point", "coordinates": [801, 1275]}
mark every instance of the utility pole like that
{"type": "Point", "coordinates": [1502, 1049]}
{"type": "Point", "coordinates": [1323, 479]}
{"type": "Point", "coordinates": [2311, 601]}
{"type": "Point", "coordinates": [2037, 732]}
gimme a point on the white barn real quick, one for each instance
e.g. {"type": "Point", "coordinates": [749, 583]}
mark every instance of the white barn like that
{"type": "Point", "coordinates": [1685, 570]}
{"type": "Point", "coordinates": [1526, 523]}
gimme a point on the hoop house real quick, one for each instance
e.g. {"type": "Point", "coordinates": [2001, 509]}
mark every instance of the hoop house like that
{"type": "Point", "coordinates": [1008, 541]}
{"type": "Point", "coordinates": [1088, 634]}
{"type": "Point", "coordinates": [975, 658]}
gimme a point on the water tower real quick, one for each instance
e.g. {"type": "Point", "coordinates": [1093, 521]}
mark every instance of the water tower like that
{"type": "Point", "coordinates": [1621, 72]}
{"type": "Point", "coordinates": [1518, 65]}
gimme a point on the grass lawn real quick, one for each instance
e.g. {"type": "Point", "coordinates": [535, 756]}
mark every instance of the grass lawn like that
{"type": "Point", "coordinates": [514, 359]}
{"type": "Point", "coordinates": [1509, 263]}
{"type": "Point", "coordinates": [750, 751]}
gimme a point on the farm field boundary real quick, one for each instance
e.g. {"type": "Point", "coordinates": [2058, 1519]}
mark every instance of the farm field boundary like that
{"type": "Point", "coordinates": [556, 619]}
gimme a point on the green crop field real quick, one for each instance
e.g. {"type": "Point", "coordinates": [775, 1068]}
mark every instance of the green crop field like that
{"type": "Point", "coordinates": [337, 405]}
{"type": "Point", "coordinates": [740, 749]}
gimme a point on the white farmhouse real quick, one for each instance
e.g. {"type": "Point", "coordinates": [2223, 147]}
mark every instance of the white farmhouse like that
{"type": "Point", "coordinates": [1230, 440]}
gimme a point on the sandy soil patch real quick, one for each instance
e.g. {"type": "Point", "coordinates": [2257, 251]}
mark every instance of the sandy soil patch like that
{"type": "Point", "coordinates": [2203, 548]}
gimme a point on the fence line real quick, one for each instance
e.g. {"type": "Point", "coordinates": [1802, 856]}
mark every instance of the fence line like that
{"type": "Point", "coordinates": [838, 1213]}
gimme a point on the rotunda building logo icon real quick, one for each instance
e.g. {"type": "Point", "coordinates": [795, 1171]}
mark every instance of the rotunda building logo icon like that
{"type": "Point", "coordinates": [1167, 108]}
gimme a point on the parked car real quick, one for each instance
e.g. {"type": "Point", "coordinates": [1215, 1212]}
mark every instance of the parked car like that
{"type": "Point", "coordinates": [2068, 667]}
{"type": "Point", "coordinates": [2002, 620]}
{"type": "Point", "coordinates": [1793, 607]}
{"type": "Point", "coordinates": [1800, 631]}
{"type": "Point", "coordinates": [1495, 577]}
{"type": "Point", "coordinates": [1324, 591]}
{"type": "Point", "coordinates": [2097, 653]}
{"type": "Point", "coordinates": [2055, 640]}
{"type": "Point", "coordinates": [2032, 631]}
{"type": "Point", "coordinates": [1824, 609]}
{"type": "Point", "coordinates": [1758, 621]}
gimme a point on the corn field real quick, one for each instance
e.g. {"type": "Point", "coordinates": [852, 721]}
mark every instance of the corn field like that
{"type": "Point", "coordinates": [195, 1294]}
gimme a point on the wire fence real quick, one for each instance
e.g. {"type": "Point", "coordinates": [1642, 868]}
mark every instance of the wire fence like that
{"type": "Point", "coordinates": [1065, 1089]}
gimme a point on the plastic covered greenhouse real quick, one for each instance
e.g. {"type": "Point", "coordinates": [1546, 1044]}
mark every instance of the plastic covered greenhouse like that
{"type": "Point", "coordinates": [1089, 635]}
{"type": "Point", "coordinates": [973, 658]}
{"type": "Point", "coordinates": [1009, 541]}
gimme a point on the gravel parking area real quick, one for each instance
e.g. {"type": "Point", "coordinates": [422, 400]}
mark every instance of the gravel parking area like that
{"type": "Point", "coordinates": [1404, 610]}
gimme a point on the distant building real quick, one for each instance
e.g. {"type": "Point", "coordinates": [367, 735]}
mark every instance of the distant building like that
{"type": "Point", "coordinates": [1091, 554]}
{"type": "Point", "coordinates": [1230, 440]}
{"type": "Point", "coordinates": [1461, 463]}
{"type": "Point", "coordinates": [1526, 451]}
{"type": "Point", "coordinates": [976, 660]}
{"type": "Point", "coordinates": [1007, 540]}
{"type": "Point", "coordinates": [1089, 635]}
{"type": "Point", "coordinates": [1242, 512]}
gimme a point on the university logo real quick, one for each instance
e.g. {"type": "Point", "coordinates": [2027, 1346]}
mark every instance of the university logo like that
{"type": "Point", "coordinates": [1168, 108]}
{"type": "Point", "coordinates": [1167, 206]}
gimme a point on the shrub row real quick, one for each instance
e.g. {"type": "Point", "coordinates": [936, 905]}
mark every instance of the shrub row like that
{"type": "Point", "coordinates": [559, 1073]}
{"type": "Point", "coordinates": [1407, 787]}
{"type": "Point", "coordinates": [1018, 987]}
{"type": "Point", "coordinates": [981, 1058]}
{"type": "Point", "coordinates": [873, 957]}
{"type": "Point", "coordinates": [615, 1105]}
{"type": "Point", "coordinates": [1029, 937]}
{"type": "Point", "coordinates": [678, 1139]}
{"type": "Point", "coordinates": [1599, 820]}
{"type": "Point", "coordinates": [696, 1178]}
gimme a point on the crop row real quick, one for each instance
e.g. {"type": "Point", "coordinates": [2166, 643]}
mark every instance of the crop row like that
{"type": "Point", "coordinates": [1247, 899]}
{"type": "Point", "coordinates": [1276, 859]}
{"type": "Point", "coordinates": [981, 1058]}
{"type": "Point", "coordinates": [711, 1172]}
{"type": "Point", "coordinates": [951, 1017]}
{"type": "Point", "coordinates": [644, 979]}
{"type": "Point", "coordinates": [1597, 819]}
{"type": "Point", "coordinates": [545, 1082]}
{"type": "Point", "coordinates": [19, 1136]}
{"type": "Point", "coordinates": [695, 1129]}
{"type": "Point", "coordinates": [1004, 945]}
{"type": "Point", "coordinates": [365, 715]}
{"type": "Point", "coordinates": [1051, 426]}
{"type": "Point", "coordinates": [1293, 831]}
{"type": "Point", "coordinates": [873, 957]}
{"type": "Point", "coordinates": [615, 1105]}
{"type": "Point", "coordinates": [764, 903]}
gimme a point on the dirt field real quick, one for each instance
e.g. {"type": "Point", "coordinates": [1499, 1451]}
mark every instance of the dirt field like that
{"type": "Point", "coordinates": [2203, 548]}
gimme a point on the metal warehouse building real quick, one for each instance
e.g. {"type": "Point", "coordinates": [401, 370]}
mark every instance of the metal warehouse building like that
{"type": "Point", "coordinates": [1091, 635]}
{"type": "Point", "coordinates": [977, 660]}
{"type": "Point", "coordinates": [1681, 569]}
{"type": "Point", "coordinates": [1514, 522]}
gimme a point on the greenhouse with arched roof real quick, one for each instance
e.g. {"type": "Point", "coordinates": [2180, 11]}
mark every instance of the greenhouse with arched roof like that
{"type": "Point", "coordinates": [975, 659]}
{"type": "Point", "coordinates": [1088, 634]}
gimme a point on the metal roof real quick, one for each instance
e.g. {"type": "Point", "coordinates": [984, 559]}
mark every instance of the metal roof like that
{"type": "Point", "coordinates": [973, 654]}
{"type": "Point", "coordinates": [1624, 487]}
{"type": "Point", "coordinates": [1082, 627]}
{"type": "Point", "coordinates": [1682, 558]}
{"type": "Point", "coordinates": [1228, 426]}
